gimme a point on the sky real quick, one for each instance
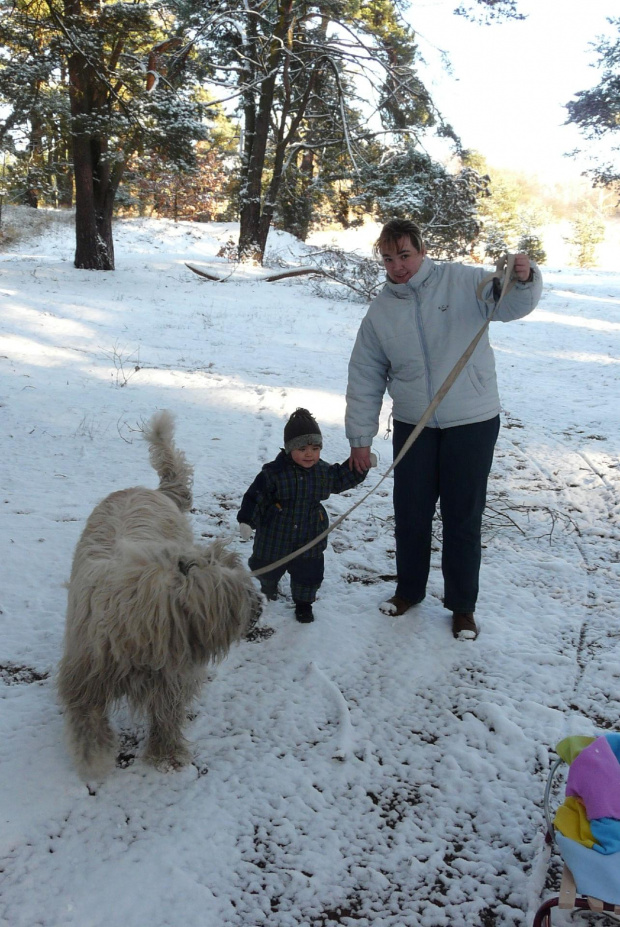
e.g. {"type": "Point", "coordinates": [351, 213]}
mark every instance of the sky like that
{"type": "Point", "coordinates": [362, 770]}
{"type": "Point", "coordinates": [512, 81]}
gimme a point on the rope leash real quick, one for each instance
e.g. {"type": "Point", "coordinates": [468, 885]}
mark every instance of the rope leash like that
{"type": "Point", "coordinates": [504, 268]}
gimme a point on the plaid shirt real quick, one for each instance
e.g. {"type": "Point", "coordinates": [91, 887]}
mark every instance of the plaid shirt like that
{"type": "Point", "coordinates": [283, 505]}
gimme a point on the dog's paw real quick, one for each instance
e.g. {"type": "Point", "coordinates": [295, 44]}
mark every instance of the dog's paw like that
{"type": "Point", "coordinates": [167, 764]}
{"type": "Point", "coordinates": [168, 760]}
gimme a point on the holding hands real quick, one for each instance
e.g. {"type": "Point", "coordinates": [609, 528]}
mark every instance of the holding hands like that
{"type": "Point", "coordinates": [362, 459]}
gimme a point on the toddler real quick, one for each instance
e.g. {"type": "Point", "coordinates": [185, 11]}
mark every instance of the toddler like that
{"type": "Point", "coordinates": [283, 504]}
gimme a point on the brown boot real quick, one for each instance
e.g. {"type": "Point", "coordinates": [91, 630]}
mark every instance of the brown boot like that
{"type": "Point", "coordinates": [396, 606]}
{"type": "Point", "coordinates": [464, 627]}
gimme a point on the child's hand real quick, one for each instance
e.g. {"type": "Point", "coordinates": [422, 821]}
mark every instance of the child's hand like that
{"type": "Point", "coordinates": [373, 459]}
{"type": "Point", "coordinates": [246, 531]}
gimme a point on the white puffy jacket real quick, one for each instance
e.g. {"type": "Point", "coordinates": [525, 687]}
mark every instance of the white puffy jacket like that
{"type": "Point", "coordinates": [412, 336]}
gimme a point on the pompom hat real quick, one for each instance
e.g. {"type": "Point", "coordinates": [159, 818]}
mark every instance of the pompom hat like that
{"type": "Point", "coordinates": [301, 429]}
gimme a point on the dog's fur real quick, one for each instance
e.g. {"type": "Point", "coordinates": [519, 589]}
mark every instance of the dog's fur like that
{"type": "Point", "coordinates": [148, 609]}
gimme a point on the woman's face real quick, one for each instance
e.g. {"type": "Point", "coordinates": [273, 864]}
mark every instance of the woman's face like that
{"type": "Point", "coordinates": [403, 261]}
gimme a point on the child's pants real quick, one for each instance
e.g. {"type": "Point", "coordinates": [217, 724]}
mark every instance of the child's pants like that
{"type": "Point", "coordinates": [306, 575]}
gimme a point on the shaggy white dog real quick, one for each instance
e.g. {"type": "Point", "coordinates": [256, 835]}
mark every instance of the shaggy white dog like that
{"type": "Point", "coordinates": [148, 609]}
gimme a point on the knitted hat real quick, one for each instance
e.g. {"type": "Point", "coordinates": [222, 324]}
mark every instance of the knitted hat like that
{"type": "Point", "coordinates": [301, 429]}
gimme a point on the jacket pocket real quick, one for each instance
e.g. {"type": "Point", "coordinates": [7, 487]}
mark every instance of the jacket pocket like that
{"type": "Point", "coordinates": [477, 380]}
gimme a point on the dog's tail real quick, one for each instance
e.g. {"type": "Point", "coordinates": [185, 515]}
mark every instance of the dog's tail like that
{"type": "Point", "coordinates": [175, 473]}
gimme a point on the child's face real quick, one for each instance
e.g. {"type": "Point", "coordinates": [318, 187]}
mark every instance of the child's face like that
{"type": "Point", "coordinates": [306, 456]}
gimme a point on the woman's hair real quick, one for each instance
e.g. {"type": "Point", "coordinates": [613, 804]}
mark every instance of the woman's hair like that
{"type": "Point", "coordinates": [394, 230]}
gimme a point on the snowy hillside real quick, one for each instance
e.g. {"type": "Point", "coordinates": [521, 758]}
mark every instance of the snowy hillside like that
{"type": "Point", "coordinates": [361, 770]}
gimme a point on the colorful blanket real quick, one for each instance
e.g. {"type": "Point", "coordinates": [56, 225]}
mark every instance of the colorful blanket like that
{"type": "Point", "coordinates": [588, 823]}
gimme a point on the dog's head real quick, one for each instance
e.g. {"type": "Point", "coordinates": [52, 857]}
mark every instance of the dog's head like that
{"type": "Point", "coordinates": [219, 600]}
{"type": "Point", "coordinates": [182, 604]}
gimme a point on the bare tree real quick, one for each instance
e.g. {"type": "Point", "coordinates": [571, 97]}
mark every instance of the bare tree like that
{"type": "Point", "coordinates": [298, 72]}
{"type": "Point", "coordinates": [310, 79]}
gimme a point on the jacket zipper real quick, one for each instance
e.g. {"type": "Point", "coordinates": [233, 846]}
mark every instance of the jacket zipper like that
{"type": "Point", "coordinates": [427, 367]}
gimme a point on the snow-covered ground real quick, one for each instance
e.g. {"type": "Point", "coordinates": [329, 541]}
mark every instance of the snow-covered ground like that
{"type": "Point", "coordinates": [361, 770]}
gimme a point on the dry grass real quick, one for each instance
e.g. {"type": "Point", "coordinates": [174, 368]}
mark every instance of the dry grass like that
{"type": "Point", "coordinates": [19, 223]}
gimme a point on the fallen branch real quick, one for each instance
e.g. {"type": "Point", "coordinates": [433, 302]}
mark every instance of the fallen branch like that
{"type": "Point", "coordinates": [289, 273]}
{"type": "Point", "coordinates": [295, 273]}
{"type": "Point", "coordinates": [203, 273]}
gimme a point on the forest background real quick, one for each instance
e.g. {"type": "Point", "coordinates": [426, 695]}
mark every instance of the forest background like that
{"type": "Point", "coordinates": [279, 113]}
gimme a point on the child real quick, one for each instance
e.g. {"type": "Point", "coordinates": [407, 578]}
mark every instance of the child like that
{"type": "Point", "coordinates": [283, 504]}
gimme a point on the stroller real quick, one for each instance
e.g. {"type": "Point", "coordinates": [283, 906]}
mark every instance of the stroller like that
{"type": "Point", "coordinates": [586, 828]}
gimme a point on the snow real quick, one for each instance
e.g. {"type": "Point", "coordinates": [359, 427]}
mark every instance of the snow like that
{"type": "Point", "coordinates": [360, 770]}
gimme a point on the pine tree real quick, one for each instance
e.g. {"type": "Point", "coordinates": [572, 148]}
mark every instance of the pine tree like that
{"type": "Point", "coordinates": [587, 231]}
{"type": "Point", "coordinates": [597, 111]}
{"type": "Point", "coordinates": [113, 76]}
{"type": "Point", "coordinates": [123, 79]}
{"type": "Point", "coordinates": [510, 220]}
{"type": "Point", "coordinates": [409, 184]}
{"type": "Point", "coordinates": [29, 104]}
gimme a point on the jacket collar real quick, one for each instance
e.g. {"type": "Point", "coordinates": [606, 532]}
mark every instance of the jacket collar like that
{"type": "Point", "coordinates": [403, 290]}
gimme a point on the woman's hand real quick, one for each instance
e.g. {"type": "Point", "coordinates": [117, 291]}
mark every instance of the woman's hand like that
{"type": "Point", "coordinates": [360, 459]}
{"type": "Point", "coordinates": [522, 267]}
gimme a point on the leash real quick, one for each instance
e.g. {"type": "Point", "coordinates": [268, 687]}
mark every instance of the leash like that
{"type": "Point", "coordinates": [502, 281]}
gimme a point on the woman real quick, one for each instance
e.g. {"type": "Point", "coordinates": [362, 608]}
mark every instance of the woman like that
{"type": "Point", "coordinates": [413, 334]}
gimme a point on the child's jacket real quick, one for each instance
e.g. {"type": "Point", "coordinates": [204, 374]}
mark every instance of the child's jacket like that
{"type": "Point", "coordinates": [283, 504]}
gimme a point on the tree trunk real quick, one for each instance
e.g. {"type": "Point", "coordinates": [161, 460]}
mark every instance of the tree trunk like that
{"type": "Point", "coordinates": [251, 242]}
{"type": "Point", "coordinates": [94, 191]}
{"type": "Point", "coordinates": [284, 137]}
{"type": "Point", "coordinates": [62, 156]}
{"type": "Point", "coordinates": [35, 161]}
{"type": "Point", "coordinates": [94, 202]}
{"type": "Point", "coordinates": [61, 166]}
{"type": "Point", "coordinates": [304, 209]}
{"type": "Point", "coordinates": [64, 184]}
{"type": "Point", "coordinates": [252, 231]}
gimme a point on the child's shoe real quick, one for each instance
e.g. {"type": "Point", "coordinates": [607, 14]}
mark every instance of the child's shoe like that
{"type": "Point", "coordinates": [270, 591]}
{"type": "Point", "coordinates": [303, 612]}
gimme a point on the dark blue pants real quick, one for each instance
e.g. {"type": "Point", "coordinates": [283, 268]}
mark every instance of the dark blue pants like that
{"type": "Point", "coordinates": [306, 575]}
{"type": "Point", "coordinates": [451, 465]}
